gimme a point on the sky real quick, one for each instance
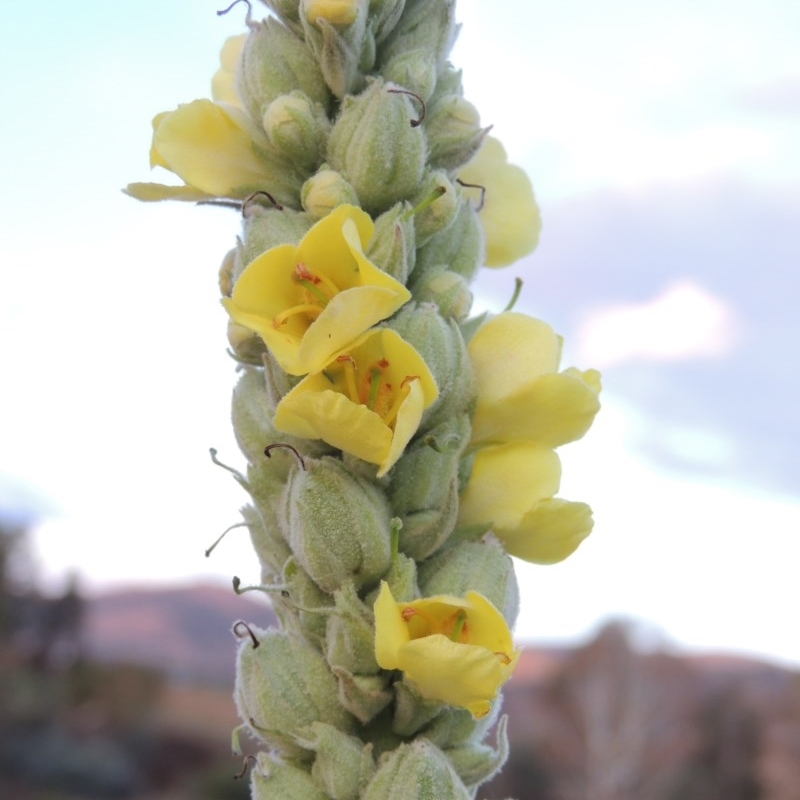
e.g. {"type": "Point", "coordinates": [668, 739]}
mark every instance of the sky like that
{"type": "Point", "coordinates": [661, 141]}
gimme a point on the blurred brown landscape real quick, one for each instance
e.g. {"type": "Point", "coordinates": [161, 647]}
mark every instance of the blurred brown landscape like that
{"type": "Point", "coordinates": [128, 695]}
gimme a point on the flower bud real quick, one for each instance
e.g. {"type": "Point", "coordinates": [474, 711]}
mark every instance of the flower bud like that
{"type": "Point", "coordinates": [265, 481]}
{"type": "Point", "coordinates": [448, 290]}
{"type": "Point", "coordinates": [442, 347]}
{"type": "Point", "coordinates": [375, 146]}
{"type": "Point", "coordinates": [246, 347]}
{"type": "Point", "coordinates": [392, 247]}
{"type": "Point", "coordinates": [350, 634]}
{"type": "Point", "coordinates": [336, 33]}
{"type": "Point", "coordinates": [416, 771]}
{"type": "Point", "coordinates": [412, 712]}
{"type": "Point", "coordinates": [452, 125]}
{"type": "Point", "coordinates": [337, 524]}
{"type": "Point", "coordinates": [225, 275]}
{"type": "Point", "coordinates": [476, 763]}
{"type": "Point", "coordinates": [288, 11]}
{"type": "Point", "coordinates": [459, 248]}
{"type": "Point", "coordinates": [424, 488]}
{"type": "Point", "coordinates": [275, 62]}
{"type": "Point", "coordinates": [298, 128]}
{"type": "Point", "coordinates": [273, 778]}
{"type": "Point", "coordinates": [266, 227]}
{"type": "Point", "coordinates": [482, 566]}
{"type": "Point", "coordinates": [413, 71]}
{"type": "Point", "coordinates": [428, 27]}
{"type": "Point", "coordinates": [363, 696]}
{"type": "Point", "coordinates": [305, 606]}
{"type": "Point", "coordinates": [283, 686]}
{"type": "Point", "coordinates": [326, 190]}
{"type": "Point", "coordinates": [343, 763]}
{"type": "Point", "coordinates": [435, 206]}
{"type": "Point", "coordinates": [383, 16]}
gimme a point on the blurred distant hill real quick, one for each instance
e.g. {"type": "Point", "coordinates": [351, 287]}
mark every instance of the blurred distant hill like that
{"type": "Point", "coordinates": [183, 632]}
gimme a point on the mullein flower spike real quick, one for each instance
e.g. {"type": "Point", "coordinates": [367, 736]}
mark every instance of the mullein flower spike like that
{"type": "Point", "coordinates": [398, 452]}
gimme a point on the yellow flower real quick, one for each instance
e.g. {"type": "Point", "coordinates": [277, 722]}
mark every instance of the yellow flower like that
{"type": "Point", "coordinates": [223, 84]}
{"type": "Point", "coordinates": [509, 215]}
{"type": "Point", "coordinates": [210, 146]}
{"type": "Point", "coordinates": [455, 650]}
{"type": "Point", "coordinates": [367, 401]}
{"type": "Point", "coordinates": [309, 302]}
{"type": "Point", "coordinates": [521, 396]}
{"type": "Point", "coordinates": [511, 489]}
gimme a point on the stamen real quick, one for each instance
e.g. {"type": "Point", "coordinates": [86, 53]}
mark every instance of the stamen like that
{"type": "Point", "coordinates": [310, 309]}
{"type": "Point", "coordinates": [302, 272]}
{"type": "Point", "coordinates": [399, 399]}
{"type": "Point", "coordinates": [504, 658]}
{"type": "Point", "coordinates": [349, 367]}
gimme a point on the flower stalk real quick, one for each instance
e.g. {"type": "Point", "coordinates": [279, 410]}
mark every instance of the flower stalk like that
{"type": "Point", "coordinates": [398, 452]}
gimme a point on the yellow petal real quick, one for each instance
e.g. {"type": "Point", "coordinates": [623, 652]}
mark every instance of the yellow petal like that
{"type": "Point", "coordinates": [391, 631]}
{"type": "Point", "coordinates": [223, 84]}
{"type": "Point", "coordinates": [549, 533]}
{"type": "Point", "coordinates": [314, 414]}
{"type": "Point", "coordinates": [458, 674]}
{"type": "Point", "coordinates": [506, 482]}
{"type": "Point", "coordinates": [210, 147]}
{"type": "Point", "coordinates": [552, 410]}
{"type": "Point", "coordinates": [509, 216]}
{"type": "Point", "coordinates": [508, 351]}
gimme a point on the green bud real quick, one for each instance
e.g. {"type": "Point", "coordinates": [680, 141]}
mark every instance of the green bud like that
{"type": "Point", "coordinates": [482, 566]}
{"type": "Point", "coordinates": [435, 206]}
{"type": "Point", "coordinates": [459, 248]}
{"type": "Point", "coordinates": [392, 246]}
{"type": "Point", "coordinates": [283, 686]}
{"type": "Point", "coordinates": [413, 71]}
{"type": "Point", "coordinates": [448, 290]}
{"type": "Point", "coordinates": [383, 16]}
{"type": "Point", "coordinates": [350, 634]}
{"type": "Point", "coordinates": [456, 726]}
{"type": "Point", "coordinates": [272, 778]}
{"type": "Point", "coordinates": [449, 82]}
{"type": "Point", "coordinates": [338, 524]}
{"type": "Point", "coordinates": [476, 763]}
{"type": "Point", "coordinates": [288, 11]}
{"type": "Point", "coordinates": [298, 128]}
{"type": "Point", "coordinates": [424, 488]}
{"type": "Point", "coordinates": [266, 227]}
{"type": "Point", "coordinates": [440, 343]}
{"type": "Point", "coordinates": [375, 146]}
{"type": "Point", "coordinates": [274, 62]}
{"type": "Point", "coordinates": [416, 771]}
{"type": "Point", "coordinates": [336, 33]}
{"type": "Point", "coordinates": [363, 696]}
{"type": "Point", "coordinates": [306, 607]}
{"type": "Point", "coordinates": [411, 712]}
{"type": "Point", "coordinates": [343, 764]}
{"type": "Point", "coordinates": [326, 190]}
{"type": "Point", "coordinates": [271, 549]}
{"type": "Point", "coordinates": [452, 125]}
{"type": "Point", "coordinates": [255, 396]}
{"type": "Point", "coordinates": [246, 346]}
{"type": "Point", "coordinates": [266, 484]}
{"type": "Point", "coordinates": [427, 26]}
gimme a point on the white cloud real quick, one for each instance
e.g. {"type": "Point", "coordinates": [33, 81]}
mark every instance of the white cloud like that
{"type": "Point", "coordinates": [685, 321]}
